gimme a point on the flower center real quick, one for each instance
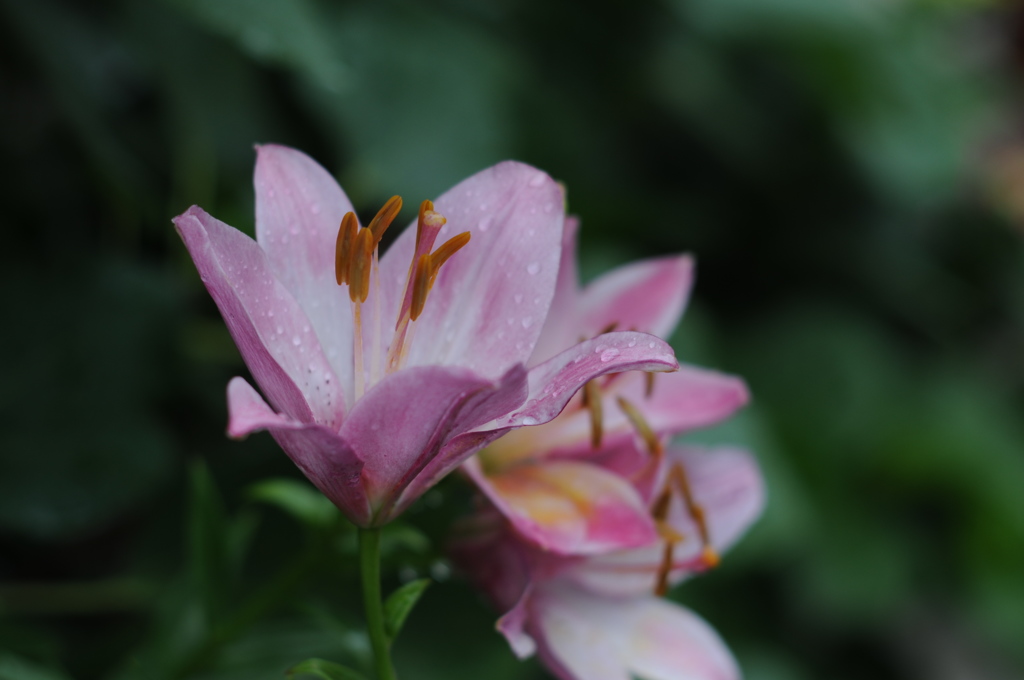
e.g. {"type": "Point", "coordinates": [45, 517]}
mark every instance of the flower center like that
{"type": "Point", "coordinates": [356, 264]}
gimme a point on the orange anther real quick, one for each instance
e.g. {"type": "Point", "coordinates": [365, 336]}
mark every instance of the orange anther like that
{"type": "Point", "coordinates": [360, 264]}
{"type": "Point", "coordinates": [446, 250]}
{"type": "Point", "coordinates": [343, 247]}
{"type": "Point", "coordinates": [677, 475]}
{"type": "Point", "coordinates": [420, 286]}
{"type": "Point", "coordinates": [592, 402]}
{"type": "Point", "coordinates": [382, 220]}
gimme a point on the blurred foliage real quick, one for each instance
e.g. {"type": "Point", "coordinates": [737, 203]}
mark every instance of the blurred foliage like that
{"type": "Point", "coordinates": [833, 165]}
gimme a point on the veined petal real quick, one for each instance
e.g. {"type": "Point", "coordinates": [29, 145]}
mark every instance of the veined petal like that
{"type": "Point", "coordinates": [554, 382]}
{"type": "Point", "coordinates": [299, 207]}
{"type": "Point", "coordinates": [562, 327]}
{"type": "Point", "coordinates": [319, 452]}
{"type": "Point", "coordinates": [647, 296]}
{"type": "Point", "coordinates": [487, 306]}
{"type": "Point", "coordinates": [583, 637]}
{"type": "Point", "coordinates": [271, 331]}
{"type": "Point", "coordinates": [404, 421]}
{"type": "Point", "coordinates": [569, 507]}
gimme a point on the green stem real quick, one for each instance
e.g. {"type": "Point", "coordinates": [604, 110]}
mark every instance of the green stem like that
{"type": "Point", "coordinates": [369, 562]}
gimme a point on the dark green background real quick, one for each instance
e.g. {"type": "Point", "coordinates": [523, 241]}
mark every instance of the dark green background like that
{"type": "Point", "coordinates": [836, 166]}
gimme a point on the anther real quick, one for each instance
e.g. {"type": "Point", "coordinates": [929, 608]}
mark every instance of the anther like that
{"type": "Point", "coordinates": [445, 251]}
{"type": "Point", "coordinates": [420, 286]}
{"type": "Point", "coordinates": [642, 427]}
{"type": "Point", "coordinates": [592, 402]}
{"type": "Point", "coordinates": [382, 220]}
{"type": "Point", "coordinates": [343, 247]}
{"type": "Point", "coordinates": [359, 266]}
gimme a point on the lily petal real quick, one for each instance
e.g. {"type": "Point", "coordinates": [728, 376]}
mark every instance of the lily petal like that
{"type": "Point", "coordinates": [584, 637]}
{"type": "Point", "coordinates": [403, 422]}
{"type": "Point", "coordinates": [299, 207]}
{"type": "Point", "coordinates": [648, 296]}
{"type": "Point", "coordinates": [319, 452]}
{"type": "Point", "coordinates": [562, 327]}
{"type": "Point", "coordinates": [270, 329]}
{"type": "Point", "coordinates": [487, 307]}
{"type": "Point", "coordinates": [554, 382]}
{"type": "Point", "coordinates": [569, 507]}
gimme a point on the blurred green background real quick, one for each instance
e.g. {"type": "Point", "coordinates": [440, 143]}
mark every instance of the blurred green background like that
{"type": "Point", "coordinates": [850, 174]}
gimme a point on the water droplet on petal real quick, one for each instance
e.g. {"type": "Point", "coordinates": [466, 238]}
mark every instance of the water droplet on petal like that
{"type": "Point", "coordinates": [528, 420]}
{"type": "Point", "coordinates": [280, 330]}
{"type": "Point", "coordinates": [651, 345]}
{"type": "Point", "coordinates": [632, 343]}
{"type": "Point", "coordinates": [609, 354]}
{"type": "Point", "coordinates": [296, 341]}
{"type": "Point", "coordinates": [527, 321]}
{"type": "Point", "coordinates": [485, 223]}
{"type": "Point", "coordinates": [533, 268]}
{"type": "Point", "coordinates": [538, 179]}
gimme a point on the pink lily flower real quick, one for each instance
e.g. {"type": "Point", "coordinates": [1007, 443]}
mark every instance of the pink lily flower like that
{"type": "Point", "coordinates": [381, 375]}
{"type": "Point", "coordinates": [597, 617]}
{"type": "Point", "coordinates": [562, 484]}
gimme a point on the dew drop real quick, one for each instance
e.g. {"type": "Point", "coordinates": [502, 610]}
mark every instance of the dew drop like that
{"type": "Point", "coordinates": [533, 268]}
{"type": "Point", "coordinates": [529, 420]}
{"type": "Point", "coordinates": [609, 354]}
{"type": "Point", "coordinates": [280, 330]}
{"type": "Point", "coordinates": [296, 341]}
{"type": "Point", "coordinates": [538, 179]}
{"type": "Point", "coordinates": [632, 343]}
{"type": "Point", "coordinates": [527, 321]}
{"type": "Point", "coordinates": [485, 223]}
{"type": "Point", "coordinates": [651, 345]}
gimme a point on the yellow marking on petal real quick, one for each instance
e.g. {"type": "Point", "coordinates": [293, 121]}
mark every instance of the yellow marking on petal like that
{"type": "Point", "coordinates": [592, 402]}
{"type": "Point", "coordinates": [360, 265]}
{"type": "Point", "coordinates": [420, 286]}
{"type": "Point", "coordinates": [382, 220]}
{"type": "Point", "coordinates": [641, 425]}
{"type": "Point", "coordinates": [343, 246]}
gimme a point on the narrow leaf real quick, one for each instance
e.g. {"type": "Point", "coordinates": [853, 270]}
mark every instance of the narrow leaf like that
{"type": "Point", "coordinates": [297, 499]}
{"type": "Point", "coordinates": [400, 603]}
{"type": "Point", "coordinates": [327, 670]}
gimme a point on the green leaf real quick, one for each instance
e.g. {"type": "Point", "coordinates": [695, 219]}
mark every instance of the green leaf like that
{"type": "Point", "coordinates": [298, 499]}
{"type": "Point", "coordinates": [16, 668]}
{"type": "Point", "coordinates": [400, 603]}
{"type": "Point", "coordinates": [328, 670]}
{"type": "Point", "coordinates": [207, 540]}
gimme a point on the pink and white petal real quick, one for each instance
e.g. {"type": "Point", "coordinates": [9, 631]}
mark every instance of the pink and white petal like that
{"type": "Point", "coordinates": [554, 382]}
{"type": "Point", "coordinates": [299, 208]}
{"type": "Point", "coordinates": [513, 625]}
{"type": "Point", "coordinates": [503, 396]}
{"type": "Point", "coordinates": [647, 296]}
{"type": "Point", "coordinates": [569, 507]}
{"type": "Point", "coordinates": [562, 326]}
{"type": "Point", "coordinates": [321, 454]}
{"type": "Point", "coordinates": [269, 327]}
{"type": "Point", "coordinates": [486, 309]}
{"type": "Point", "coordinates": [584, 637]}
{"type": "Point", "coordinates": [403, 422]}
{"type": "Point", "coordinates": [728, 484]}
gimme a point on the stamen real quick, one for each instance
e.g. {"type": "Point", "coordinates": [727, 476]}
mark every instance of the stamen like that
{"type": "Point", "coordinates": [659, 511]}
{"type": "Point", "coordinates": [592, 402]}
{"type": "Point", "coordinates": [421, 286]}
{"type": "Point", "coordinates": [343, 247]}
{"type": "Point", "coordinates": [360, 265]}
{"type": "Point", "coordinates": [642, 427]}
{"type": "Point", "coordinates": [664, 569]}
{"type": "Point", "coordinates": [677, 475]}
{"type": "Point", "coordinates": [382, 220]}
{"type": "Point", "coordinates": [445, 251]}
{"type": "Point", "coordinates": [649, 384]}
